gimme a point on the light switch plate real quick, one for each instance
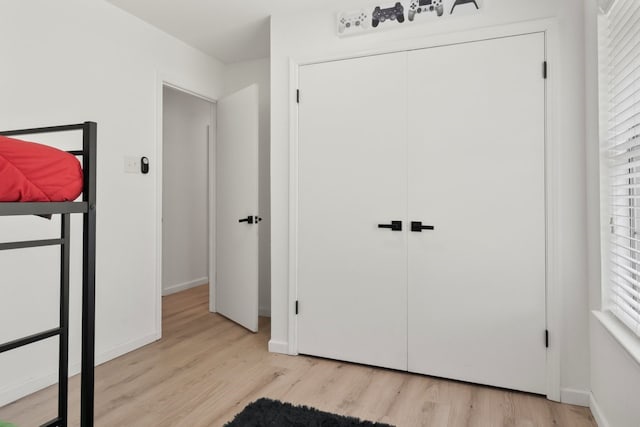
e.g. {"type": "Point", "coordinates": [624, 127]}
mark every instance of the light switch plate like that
{"type": "Point", "coordinates": [131, 164]}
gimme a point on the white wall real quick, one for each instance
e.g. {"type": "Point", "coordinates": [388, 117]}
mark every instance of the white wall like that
{"type": "Point", "coordinates": [615, 374]}
{"type": "Point", "coordinates": [238, 76]}
{"type": "Point", "coordinates": [187, 123]}
{"type": "Point", "coordinates": [65, 62]}
{"type": "Point", "coordinates": [615, 380]}
{"type": "Point", "coordinates": [305, 37]}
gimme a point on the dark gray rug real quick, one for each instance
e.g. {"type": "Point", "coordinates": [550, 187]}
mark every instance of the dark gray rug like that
{"type": "Point", "coordinates": [272, 413]}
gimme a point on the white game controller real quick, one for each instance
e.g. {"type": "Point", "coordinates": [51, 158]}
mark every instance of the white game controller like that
{"type": "Point", "coordinates": [358, 20]}
{"type": "Point", "coordinates": [419, 6]}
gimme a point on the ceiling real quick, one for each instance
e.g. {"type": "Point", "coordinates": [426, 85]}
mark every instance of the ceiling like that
{"type": "Point", "coordinates": [229, 30]}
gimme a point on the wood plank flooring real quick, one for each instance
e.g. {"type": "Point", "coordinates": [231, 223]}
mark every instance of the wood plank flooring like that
{"type": "Point", "coordinates": [206, 369]}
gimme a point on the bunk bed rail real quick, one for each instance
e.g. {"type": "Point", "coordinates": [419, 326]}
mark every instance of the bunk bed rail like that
{"type": "Point", "coordinates": [46, 129]}
{"type": "Point", "coordinates": [87, 207]}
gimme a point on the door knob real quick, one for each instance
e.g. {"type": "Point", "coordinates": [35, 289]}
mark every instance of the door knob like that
{"type": "Point", "coordinates": [248, 219]}
{"type": "Point", "coordinates": [394, 226]}
{"type": "Point", "coordinates": [416, 226]}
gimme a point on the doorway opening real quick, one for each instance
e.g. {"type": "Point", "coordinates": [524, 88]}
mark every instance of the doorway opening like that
{"type": "Point", "coordinates": [208, 202]}
{"type": "Point", "coordinates": [188, 141]}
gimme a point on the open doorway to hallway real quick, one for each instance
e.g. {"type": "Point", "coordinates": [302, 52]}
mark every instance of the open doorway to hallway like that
{"type": "Point", "coordinates": [188, 133]}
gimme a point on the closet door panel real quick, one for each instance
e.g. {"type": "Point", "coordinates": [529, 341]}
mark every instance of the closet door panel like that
{"type": "Point", "coordinates": [476, 173]}
{"type": "Point", "coordinates": [352, 176]}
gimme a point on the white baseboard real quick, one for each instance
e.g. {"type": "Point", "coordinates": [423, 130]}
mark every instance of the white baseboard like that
{"type": "Point", "coordinates": [13, 392]}
{"type": "Point", "coordinates": [264, 311]}
{"type": "Point", "coordinates": [575, 397]}
{"type": "Point", "coordinates": [125, 348]}
{"type": "Point", "coordinates": [597, 412]}
{"type": "Point", "coordinates": [184, 286]}
{"type": "Point", "coordinates": [279, 347]}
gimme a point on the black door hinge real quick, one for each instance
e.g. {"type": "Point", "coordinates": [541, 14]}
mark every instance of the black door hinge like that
{"type": "Point", "coordinates": [298, 96]}
{"type": "Point", "coordinates": [546, 338]}
{"type": "Point", "coordinates": [545, 69]}
{"type": "Point", "coordinates": [297, 305]}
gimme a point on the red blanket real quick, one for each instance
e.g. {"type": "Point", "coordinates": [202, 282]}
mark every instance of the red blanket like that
{"type": "Point", "coordinates": [31, 172]}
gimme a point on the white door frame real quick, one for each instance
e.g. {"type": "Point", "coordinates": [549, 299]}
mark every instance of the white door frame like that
{"type": "Point", "coordinates": [553, 284]}
{"type": "Point", "coordinates": [172, 82]}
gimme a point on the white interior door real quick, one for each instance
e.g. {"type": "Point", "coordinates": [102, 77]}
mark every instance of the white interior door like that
{"type": "Point", "coordinates": [352, 176]}
{"type": "Point", "coordinates": [237, 216]}
{"type": "Point", "coordinates": [476, 173]}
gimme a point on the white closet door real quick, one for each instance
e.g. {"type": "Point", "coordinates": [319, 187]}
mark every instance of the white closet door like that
{"type": "Point", "coordinates": [352, 176]}
{"type": "Point", "coordinates": [476, 173]}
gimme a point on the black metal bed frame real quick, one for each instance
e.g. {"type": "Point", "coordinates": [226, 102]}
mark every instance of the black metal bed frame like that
{"type": "Point", "coordinates": [87, 207]}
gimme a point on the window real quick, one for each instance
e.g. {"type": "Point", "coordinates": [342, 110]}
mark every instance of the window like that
{"type": "Point", "coordinates": [620, 100]}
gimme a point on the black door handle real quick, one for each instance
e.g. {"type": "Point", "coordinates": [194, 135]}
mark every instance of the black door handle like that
{"type": "Point", "coordinates": [251, 219]}
{"type": "Point", "coordinates": [248, 219]}
{"type": "Point", "coordinates": [416, 226]}
{"type": "Point", "coordinates": [394, 226]}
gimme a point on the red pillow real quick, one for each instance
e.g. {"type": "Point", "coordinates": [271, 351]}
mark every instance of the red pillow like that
{"type": "Point", "coordinates": [31, 172]}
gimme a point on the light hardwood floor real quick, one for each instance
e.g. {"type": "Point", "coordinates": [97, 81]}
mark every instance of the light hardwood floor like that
{"type": "Point", "coordinates": [206, 369]}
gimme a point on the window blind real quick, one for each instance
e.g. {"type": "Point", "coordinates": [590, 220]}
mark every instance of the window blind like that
{"type": "Point", "coordinates": [620, 57]}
